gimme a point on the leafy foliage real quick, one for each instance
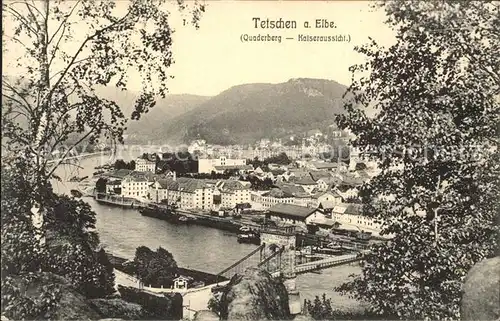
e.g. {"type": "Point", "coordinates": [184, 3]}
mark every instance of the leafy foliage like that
{"type": "Point", "coordinates": [17, 305]}
{"type": "Point", "coordinates": [121, 164]}
{"type": "Point", "coordinates": [435, 138]}
{"type": "Point", "coordinates": [55, 101]}
{"type": "Point", "coordinates": [65, 51]}
{"type": "Point", "coordinates": [155, 267]}
{"type": "Point", "coordinates": [215, 304]}
{"type": "Point", "coordinates": [321, 309]}
{"type": "Point", "coordinates": [181, 162]}
{"type": "Point", "coordinates": [21, 250]}
{"type": "Point", "coordinates": [167, 307]}
{"type": "Point", "coordinates": [281, 159]}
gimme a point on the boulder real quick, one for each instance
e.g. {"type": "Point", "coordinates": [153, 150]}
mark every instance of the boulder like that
{"type": "Point", "coordinates": [167, 306]}
{"type": "Point", "coordinates": [303, 317]}
{"type": "Point", "coordinates": [255, 295]}
{"type": "Point", "coordinates": [206, 315]}
{"type": "Point", "coordinates": [480, 297]}
{"type": "Point", "coordinates": [118, 309]}
{"type": "Point", "coordinates": [71, 306]}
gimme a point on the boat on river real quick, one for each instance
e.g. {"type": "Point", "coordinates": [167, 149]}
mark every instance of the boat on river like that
{"type": "Point", "coordinates": [164, 213]}
{"type": "Point", "coordinates": [250, 237]}
{"type": "Point", "coordinates": [76, 193]}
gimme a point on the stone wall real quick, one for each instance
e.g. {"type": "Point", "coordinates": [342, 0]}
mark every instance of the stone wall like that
{"type": "Point", "coordinates": [279, 240]}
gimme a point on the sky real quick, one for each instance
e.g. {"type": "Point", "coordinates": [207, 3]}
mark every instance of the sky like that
{"type": "Point", "coordinates": [213, 58]}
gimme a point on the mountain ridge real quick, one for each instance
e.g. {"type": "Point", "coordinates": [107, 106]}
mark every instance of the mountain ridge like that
{"type": "Point", "coordinates": [248, 112]}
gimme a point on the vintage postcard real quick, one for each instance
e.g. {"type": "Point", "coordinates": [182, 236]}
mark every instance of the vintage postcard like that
{"type": "Point", "coordinates": [250, 160]}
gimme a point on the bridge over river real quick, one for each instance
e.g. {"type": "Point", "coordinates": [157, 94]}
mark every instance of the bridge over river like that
{"type": "Point", "coordinates": [275, 255]}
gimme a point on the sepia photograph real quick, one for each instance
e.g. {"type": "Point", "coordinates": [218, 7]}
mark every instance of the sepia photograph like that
{"type": "Point", "coordinates": [205, 160]}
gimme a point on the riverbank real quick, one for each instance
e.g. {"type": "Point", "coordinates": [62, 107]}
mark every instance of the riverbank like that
{"type": "Point", "coordinates": [122, 230]}
{"type": "Point", "coordinates": [120, 263]}
{"type": "Point", "coordinates": [222, 223]}
{"type": "Point", "coordinates": [228, 224]}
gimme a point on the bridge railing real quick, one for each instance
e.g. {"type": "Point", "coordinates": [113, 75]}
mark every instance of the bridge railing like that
{"type": "Point", "coordinates": [276, 255]}
{"type": "Point", "coordinates": [311, 266]}
{"type": "Point", "coordinates": [239, 266]}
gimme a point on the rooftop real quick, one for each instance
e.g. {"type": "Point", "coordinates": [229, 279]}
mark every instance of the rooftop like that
{"type": "Point", "coordinates": [316, 175]}
{"type": "Point", "coordinates": [324, 165]}
{"type": "Point", "coordinates": [229, 167]}
{"type": "Point", "coordinates": [232, 185]}
{"type": "Point", "coordinates": [306, 180]}
{"type": "Point", "coordinates": [348, 208]}
{"type": "Point", "coordinates": [290, 190]}
{"type": "Point", "coordinates": [120, 173]}
{"type": "Point", "coordinates": [292, 211]}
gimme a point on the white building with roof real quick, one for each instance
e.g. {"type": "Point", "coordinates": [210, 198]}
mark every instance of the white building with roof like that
{"type": "Point", "coordinates": [350, 217]}
{"type": "Point", "coordinates": [233, 192]}
{"type": "Point", "coordinates": [136, 185]}
{"type": "Point", "coordinates": [207, 165]}
{"type": "Point", "coordinates": [294, 214]}
{"type": "Point", "coordinates": [187, 193]}
{"type": "Point", "coordinates": [145, 165]}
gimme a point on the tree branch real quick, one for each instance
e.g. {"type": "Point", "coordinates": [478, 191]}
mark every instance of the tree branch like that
{"type": "Point", "coordinates": [33, 17]}
{"type": "Point", "coordinates": [16, 39]}
{"type": "Point", "coordinates": [63, 23]}
{"type": "Point", "coordinates": [21, 19]}
{"type": "Point", "coordinates": [80, 49]}
{"type": "Point", "coordinates": [15, 100]}
{"type": "Point", "coordinates": [57, 46]}
{"type": "Point", "coordinates": [11, 88]}
{"type": "Point", "coordinates": [70, 149]}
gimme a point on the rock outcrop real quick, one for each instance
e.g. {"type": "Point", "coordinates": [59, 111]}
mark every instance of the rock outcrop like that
{"type": "Point", "coordinates": [481, 294]}
{"type": "Point", "coordinates": [206, 315]}
{"type": "Point", "coordinates": [302, 317]}
{"type": "Point", "coordinates": [118, 309]}
{"type": "Point", "coordinates": [255, 296]}
{"type": "Point", "coordinates": [166, 307]}
{"type": "Point", "coordinates": [71, 306]}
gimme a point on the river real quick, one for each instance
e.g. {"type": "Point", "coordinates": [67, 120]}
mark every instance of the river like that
{"type": "Point", "coordinates": [121, 231]}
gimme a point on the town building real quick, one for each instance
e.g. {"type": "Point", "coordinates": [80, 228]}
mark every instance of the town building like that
{"type": "Point", "coordinates": [307, 183]}
{"type": "Point", "coordinates": [114, 186]}
{"type": "Point", "coordinates": [350, 217]}
{"type": "Point", "coordinates": [239, 169]}
{"type": "Point", "coordinates": [186, 193]}
{"type": "Point", "coordinates": [136, 184]}
{"type": "Point", "coordinates": [182, 283]}
{"type": "Point", "coordinates": [314, 133]}
{"type": "Point", "coordinates": [327, 166]}
{"type": "Point", "coordinates": [294, 214]}
{"type": "Point", "coordinates": [207, 165]}
{"type": "Point", "coordinates": [327, 183]}
{"type": "Point", "coordinates": [327, 200]}
{"type": "Point", "coordinates": [145, 165]}
{"type": "Point", "coordinates": [232, 193]}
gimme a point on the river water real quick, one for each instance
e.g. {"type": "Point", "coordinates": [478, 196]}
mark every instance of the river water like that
{"type": "Point", "coordinates": [197, 247]}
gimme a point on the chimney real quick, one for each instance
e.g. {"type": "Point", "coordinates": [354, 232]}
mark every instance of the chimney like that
{"type": "Point", "coordinates": [174, 176]}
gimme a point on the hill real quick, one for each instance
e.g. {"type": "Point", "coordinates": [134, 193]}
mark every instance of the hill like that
{"type": "Point", "coordinates": [246, 113]}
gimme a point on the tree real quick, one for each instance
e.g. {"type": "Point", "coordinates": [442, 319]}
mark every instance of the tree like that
{"type": "Point", "coordinates": [100, 185]}
{"type": "Point", "coordinates": [21, 251]}
{"type": "Point", "coordinates": [64, 53]}
{"type": "Point", "coordinates": [321, 309]}
{"type": "Point", "coordinates": [55, 100]}
{"type": "Point", "coordinates": [155, 267]}
{"type": "Point", "coordinates": [436, 96]}
{"type": "Point", "coordinates": [70, 247]}
{"type": "Point", "coordinates": [121, 164]}
{"type": "Point", "coordinates": [360, 166]}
